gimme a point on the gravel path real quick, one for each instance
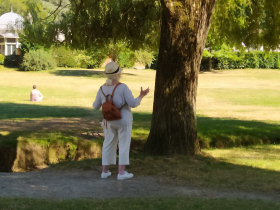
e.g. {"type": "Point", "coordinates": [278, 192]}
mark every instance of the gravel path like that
{"type": "Point", "coordinates": [53, 184]}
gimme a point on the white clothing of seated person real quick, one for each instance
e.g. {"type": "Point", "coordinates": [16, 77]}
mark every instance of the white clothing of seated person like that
{"type": "Point", "coordinates": [35, 94]}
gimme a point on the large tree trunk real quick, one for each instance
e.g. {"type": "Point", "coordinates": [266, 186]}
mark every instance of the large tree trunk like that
{"type": "Point", "coordinates": [185, 26]}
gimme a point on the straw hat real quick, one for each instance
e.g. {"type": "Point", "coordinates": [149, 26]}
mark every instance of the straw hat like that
{"type": "Point", "coordinates": [112, 69]}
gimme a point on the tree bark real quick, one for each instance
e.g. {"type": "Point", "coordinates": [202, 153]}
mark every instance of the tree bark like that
{"type": "Point", "coordinates": [185, 25]}
{"type": "Point", "coordinates": [210, 61]}
{"type": "Point", "coordinates": [210, 64]}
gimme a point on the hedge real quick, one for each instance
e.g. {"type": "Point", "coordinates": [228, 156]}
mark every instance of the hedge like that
{"type": "Point", "coordinates": [12, 61]}
{"type": "Point", "coordinates": [237, 60]}
{"type": "Point", "coordinates": [243, 60]}
{"type": "Point", "coordinates": [64, 57]}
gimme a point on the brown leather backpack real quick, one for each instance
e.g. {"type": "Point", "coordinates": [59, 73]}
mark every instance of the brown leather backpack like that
{"type": "Point", "coordinates": [109, 109]}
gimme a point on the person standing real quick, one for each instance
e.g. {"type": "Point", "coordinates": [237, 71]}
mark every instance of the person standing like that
{"type": "Point", "coordinates": [117, 131]}
{"type": "Point", "coordinates": [36, 95]}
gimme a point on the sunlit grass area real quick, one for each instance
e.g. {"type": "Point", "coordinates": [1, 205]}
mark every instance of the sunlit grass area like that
{"type": "Point", "coordinates": [265, 157]}
{"type": "Point", "coordinates": [68, 87]}
{"type": "Point", "coordinates": [234, 107]}
{"type": "Point", "coordinates": [240, 94]}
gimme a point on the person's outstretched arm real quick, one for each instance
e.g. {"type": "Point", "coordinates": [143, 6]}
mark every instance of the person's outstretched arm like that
{"type": "Point", "coordinates": [134, 102]}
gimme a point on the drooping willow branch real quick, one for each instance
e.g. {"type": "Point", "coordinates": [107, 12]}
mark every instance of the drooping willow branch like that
{"type": "Point", "coordinates": [54, 10]}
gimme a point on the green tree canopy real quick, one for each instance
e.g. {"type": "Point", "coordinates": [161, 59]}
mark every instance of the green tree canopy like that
{"type": "Point", "coordinates": [254, 22]}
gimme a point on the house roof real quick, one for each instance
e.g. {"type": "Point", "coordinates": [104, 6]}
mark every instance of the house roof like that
{"type": "Point", "coordinates": [9, 35]}
{"type": "Point", "coordinates": [11, 19]}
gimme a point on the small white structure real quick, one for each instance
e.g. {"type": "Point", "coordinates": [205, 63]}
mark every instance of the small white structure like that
{"type": "Point", "coordinates": [10, 24]}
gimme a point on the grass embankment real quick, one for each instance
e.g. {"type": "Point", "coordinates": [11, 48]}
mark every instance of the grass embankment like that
{"type": "Point", "coordinates": [22, 150]}
{"type": "Point", "coordinates": [157, 203]}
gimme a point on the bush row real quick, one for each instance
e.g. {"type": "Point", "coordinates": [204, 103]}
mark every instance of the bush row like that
{"type": "Point", "coordinates": [242, 60]}
{"type": "Point", "coordinates": [36, 60]}
{"type": "Point", "coordinates": [41, 59]}
{"type": "Point", "coordinates": [66, 57]}
{"type": "Point", "coordinates": [227, 59]}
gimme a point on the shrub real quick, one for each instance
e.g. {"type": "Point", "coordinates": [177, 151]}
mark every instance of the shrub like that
{"type": "Point", "coordinates": [2, 58]}
{"type": "Point", "coordinates": [37, 60]}
{"type": "Point", "coordinates": [126, 58]}
{"type": "Point", "coordinates": [154, 63]}
{"type": "Point", "coordinates": [64, 57]}
{"type": "Point", "coordinates": [144, 57]}
{"type": "Point", "coordinates": [97, 58]}
{"type": "Point", "coordinates": [227, 58]}
{"type": "Point", "coordinates": [82, 60]}
{"type": "Point", "coordinates": [12, 61]}
{"type": "Point", "coordinates": [90, 60]}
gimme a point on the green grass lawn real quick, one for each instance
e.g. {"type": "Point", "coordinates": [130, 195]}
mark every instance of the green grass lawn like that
{"type": "Point", "coordinates": [151, 203]}
{"type": "Point", "coordinates": [238, 111]}
{"type": "Point", "coordinates": [235, 107]}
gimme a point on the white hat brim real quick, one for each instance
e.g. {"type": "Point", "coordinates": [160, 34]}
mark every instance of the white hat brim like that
{"type": "Point", "coordinates": [120, 70]}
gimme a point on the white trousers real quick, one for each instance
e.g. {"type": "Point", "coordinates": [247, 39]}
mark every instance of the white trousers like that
{"type": "Point", "coordinates": [115, 134]}
{"type": "Point", "coordinates": [40, 98]}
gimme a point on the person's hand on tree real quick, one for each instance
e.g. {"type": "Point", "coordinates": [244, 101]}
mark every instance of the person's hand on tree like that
{"type": "Point", "coordinates": [143, 93]}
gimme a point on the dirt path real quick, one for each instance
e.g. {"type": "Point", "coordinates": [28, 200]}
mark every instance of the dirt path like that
{"type": "Point", "coordinates": [55, 184]}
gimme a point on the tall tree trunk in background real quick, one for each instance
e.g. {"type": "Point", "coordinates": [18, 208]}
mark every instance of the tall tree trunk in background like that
{"type": "Point", "coordinates": [185, 26]}
{"type": "Point", "coordinates": [210, 64]}
{"type": "Point", "coordinates": [210, 61]}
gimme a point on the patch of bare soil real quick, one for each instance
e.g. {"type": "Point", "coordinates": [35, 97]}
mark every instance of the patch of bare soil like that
{"type": "Point", "coordinates": [61, 124]}
{"type": "Point", "coordinates": [49, 183]}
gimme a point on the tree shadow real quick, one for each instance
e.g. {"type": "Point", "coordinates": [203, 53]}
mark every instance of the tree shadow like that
{"type": "Point", "coordinates": [212, 132]}
{"type": "Point", "coordinates": [83, 73]}
{"type": "Point", "coordinates": [223, 132]}
{"type": "Point", "coordinates": [8, 151]}
{"type": "Point", "coordinates": [207, 171]}
{"type": "Point", "coordinates": [13, 110]}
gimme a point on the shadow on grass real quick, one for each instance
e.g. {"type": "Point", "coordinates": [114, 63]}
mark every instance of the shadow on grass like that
{"type": "Point", "coordinates": [213, 132]}
{"type": "Point", "coordinates": [222, 133]}
{"type": "Point", "coordinates": [8, 151]}
{"type": "Point", "coordinates": [33, 110]}
{"type": "Point", "coordinates": [82, 73]}
{"type": "Point", "coordinates": [197, 171]}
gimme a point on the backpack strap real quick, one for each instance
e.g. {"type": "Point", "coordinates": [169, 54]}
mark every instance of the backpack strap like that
{"type": "Point", "coordinates": [111, 99]}
{"type": "Point", "coordinates": [102, 91]}
{"type": "Point", "coordinates": [114, 90]}
{"type": "Point", "coordinates": [104, 94]}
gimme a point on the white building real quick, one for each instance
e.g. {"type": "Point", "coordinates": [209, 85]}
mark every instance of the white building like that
{"type": "Point", "coordinates": [10, 24]}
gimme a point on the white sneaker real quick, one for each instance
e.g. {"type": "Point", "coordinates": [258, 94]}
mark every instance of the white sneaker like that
{"type": "Point", "coordinates": [105, 175]}
{"type": "Point", "coordinates": [126, 175]}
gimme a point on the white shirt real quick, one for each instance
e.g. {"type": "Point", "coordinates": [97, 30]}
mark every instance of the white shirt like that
{"type": "Point", "coordinates": [122, 96]}
{"type": "Point", "coordinates": [35, 95]}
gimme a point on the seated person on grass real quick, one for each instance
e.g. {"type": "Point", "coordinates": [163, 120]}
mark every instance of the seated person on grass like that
{"type": "Point", "coordinates": [35, 94]}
